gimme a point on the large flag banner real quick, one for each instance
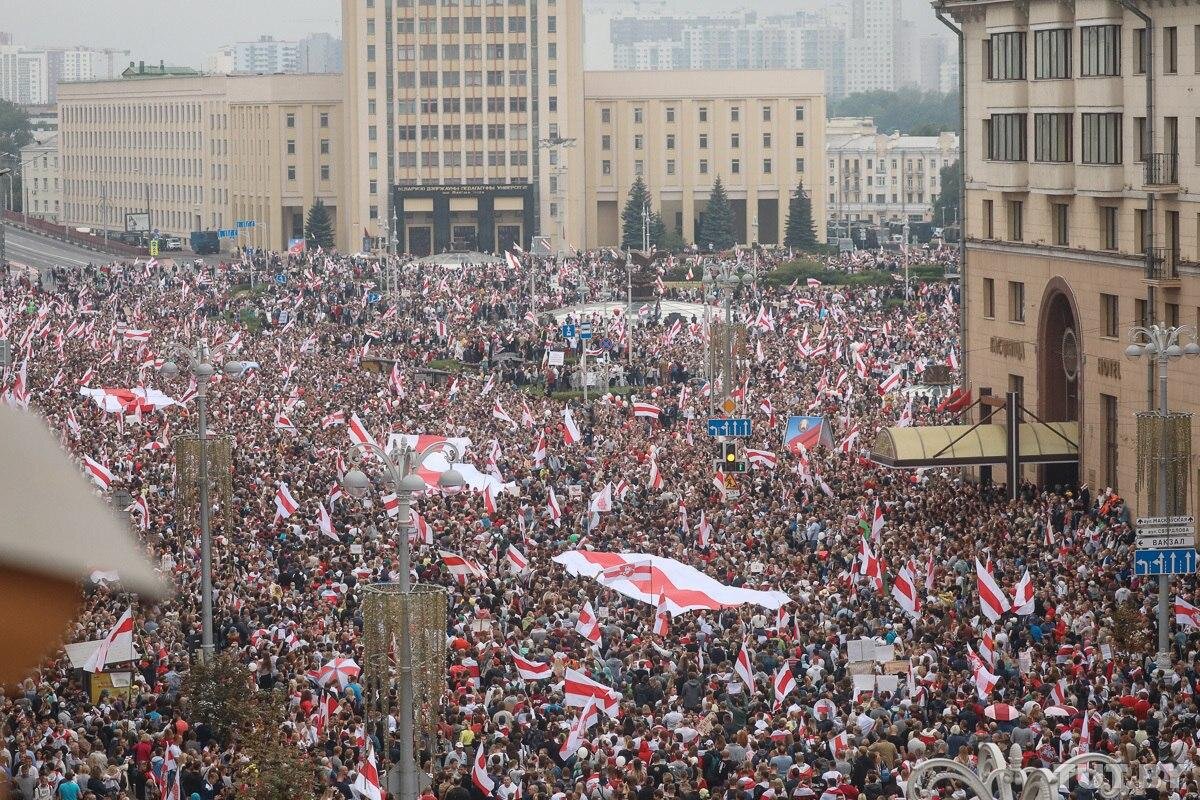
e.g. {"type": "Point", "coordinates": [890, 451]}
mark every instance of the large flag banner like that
{"type": "Point", "coordinates": [807, 432]}
{"type": "Point", "coordinates": [683, 588]}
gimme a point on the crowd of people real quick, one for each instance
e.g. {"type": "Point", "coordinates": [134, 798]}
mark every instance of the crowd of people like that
{"type": "Point", "coordinates": [398, 348]}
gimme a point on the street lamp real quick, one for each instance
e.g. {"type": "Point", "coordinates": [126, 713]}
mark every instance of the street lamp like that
{"type": "Point", "coordinates": [399, 470]}
{"type": "Point", "coordinates": [199, 366]}
{"type": "Point", "coordinates": [729, 276]}
{"type": "Point", "coordinates": [1161, 343]}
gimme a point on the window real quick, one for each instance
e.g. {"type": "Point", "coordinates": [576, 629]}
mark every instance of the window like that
{"type": "Point", "coordinates": [766, 166]}
{"type": "Point", "coordinates": [1172, 314]}
{"type": "Point", "coordinates": [605, 142]}
{"type": "Point", "coordinates": [799, 165]}
{"type": "Point", "coordinates": [472, 25]}
{"type": "Point", "coordinates": [1052, 54]}
{"type": "Point", "coordinates": [1139, 229]}
{"type": "Point", "coordinates": [988, 229]}
{"type": "Point", "coordinates": [291, 120]}
{"type": "Point", "coordinates": [1139, 51]}
{"type": "Point", "coordinates": [1016, 301]}
{"type": "Point", "coordinates": [516, 24]}
{"type": "Point", "coordinates": [799, 140]}
{"type": "Point", "coordinates": [370, 52]}
{"type": "Point", "coordinates": [766, 113]}
{"type": "Point", "coordinates": [799, 113]}
{"type": "Point", "coordinates": [989, 298]}
{"type": "Point", "coordinates": [766, 140]}
{"type": "Point", "coordinates": [670, 166]}
{"type": "Point", "coordinates": [735, 114]}
{"type": "Point", "coordinates": [1170, 45]}
{"type": "Point", "coordinates": [1141, 136]}
{"type": "Point", "coordinates": [1060, 216]}
{"type": "Point", "coordinates": [552, 51]}
{"type": "Point", "coordinates": [704, 141]}
{"type": "Point", "coordinates": [1016, 219]}
{"type": "Point", "coordinates": [324, 119]}
{"type": "Point", "coordinates": [606, 167]}
{"type": "Point", "coordinates": [735, 140]}
{"type": "Point", "coordinates": [637, 115]}
{"type": "Point", "coordinates": [1052, 137]}
{"type": "Point", "coordinates": [552, 24]}
{"type": "Point", "coordinates": [1108, 408]}
{"type": "Point", "coordinates": [670, 114]}
{"type": "Point", "coordinates": [703, 113]}
{"type": "Point", "coordinates": [291, 145]}
{"type": "Point", "coordinates": [324, 172]}
{"type": "Point", "coordinates": [1005, 135]}
{"type": "Point", "coordinates": [639, 167]}
{"type": "Point", "coordinates": [1101, 139]}
{"type": "Point", "coordinates": [552, 77]}
{"type": "Point", "coordinates": [1007, 60]}
{"type": "Point", "coordinates": [637, 142]}
{"type": "Point", "coordinates": [291, 173]}
{"type": "Point", "coordinates": [605, 116]}
{"type": "Point", "coordinates": [1139, 312]}
{"type": "Point", "coordinates": [1109, 238]}
{"type": "Point", "coordinates": [1099, 50]}
{"type": "Point", "coordinates": [670, 141]}
{"type": "Point", "coordinates": [735, 166]}
{"type": "Point", "coordinates": [1110, 318]}
{"type": "Point", "coordinates": [704, 166]}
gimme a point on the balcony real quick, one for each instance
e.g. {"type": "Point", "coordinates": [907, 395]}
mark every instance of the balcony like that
{"type": "Point", "coordinates": [1162, 269]}
{"type": "Point", "coordinates": [1162, 172]}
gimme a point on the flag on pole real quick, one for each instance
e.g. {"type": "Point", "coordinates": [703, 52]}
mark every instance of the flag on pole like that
{"type": "Point", "coordinates": [285, 504]}
{"type": "Point", "coordinates": [992, 601]}
{"type": "Point", "coordinates": [121, 633]}
{"type": "Point", "coordinates": [479, 774]}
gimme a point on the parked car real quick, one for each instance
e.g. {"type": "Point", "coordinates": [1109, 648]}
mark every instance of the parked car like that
{"type": "Point", "coordinates": [172, 243]}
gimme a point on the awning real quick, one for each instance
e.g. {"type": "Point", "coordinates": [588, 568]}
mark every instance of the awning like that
{"type": "Point", "coordinates": [959, 445]}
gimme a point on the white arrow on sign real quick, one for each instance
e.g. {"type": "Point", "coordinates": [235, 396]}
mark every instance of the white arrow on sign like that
{"type": "Point", "coordinates": [1161, 522]}
{"type": "Point", "coordinates": [1164, 530]}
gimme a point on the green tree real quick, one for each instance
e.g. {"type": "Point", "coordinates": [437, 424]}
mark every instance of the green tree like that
{"type": "Point", "coordinates": [909, 111]}
{"type": "Point", "coordinates": [319, 227]}
{"type": "Point", "coordinates": [15, 133]}
{"type": "Point", "coordinates": [216, 692]}
{"type": "Point", "coordinates": [631, 216]}
{"type": "Point", "coordinates": [945, 205]}
{"type": "Point", "coordinates": [800, 233]}
{"type": "Point", "coordinates": [716, 229]}
{"type": "Point", "coordinates": [276, 768]}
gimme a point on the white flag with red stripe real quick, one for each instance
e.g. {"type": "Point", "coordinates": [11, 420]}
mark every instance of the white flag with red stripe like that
{"type": "Point", "coordinates": [325, 521]}
{"type": "Point", "coordinates": [539, 450]}
{"type": "Point", "coordinates": [1022, 602]}
{"type": "Point", "coordinates": [479, 774]}
{"type": "Point", "coordinates": [461, 567]}
{"type": "Point", "coordinates": [335, 418]}
{"type": "Point", "coordinates": [553, 507]}
{"type": "Point", "coordinates": [588, 626]}
{"type": "Point", "coordinates": [516, 559]}
{"type": "Point", "coordinates": [120, 637]}
{"type": "Point", "coordinates": [904, 589]}
{"type": "Point", "coordinates": [358, 432]}
{"type": "Point", "coordinates": [579, 688]}
{"type": "Point", "coordinates": [571, 434]}
{"type": "Point", "coordinates": [785, 684]}
{"type": "Point", "coordinates": [285, 504]}
{"type": "Point", "coordinates": [139, 507]}
{"type": "Point", "coordinates": [366, 784]}
{"type": "Point", "coordinates": [647, 410]}
{"type": "Point", "coordinates": [742, 666]}
{"type": "Point", "coordinates": [530, 670]}
{"type": "Point", "coordinates": [577, 733]}
{"type": "Point", "coordinates": [1186, 614]}
{"type": "Point", "coordinates": [890, 383]}
{"type": "Point", "coordinates": [662, 618]}
{"type": "Point", "coordinates": [992, 601]}
{"type": "Point", "coordinates": [100, 473]}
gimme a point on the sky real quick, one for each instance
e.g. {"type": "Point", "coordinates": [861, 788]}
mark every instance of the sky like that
{"type": "Point", "coordinates": [183, 32]}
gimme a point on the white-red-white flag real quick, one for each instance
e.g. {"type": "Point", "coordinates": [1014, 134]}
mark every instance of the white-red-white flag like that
{"type": "Point", "coordinates": [539, 450]}
{"type": "Point", "coordinates": [992, 601]}
{"type": "Point", "coordinates": [118, 638]}
{"type": "Point", "coordinates": [139, 507]}
{"type": "Point", "coordinates": [647, 410]}
{"type": "Point", "coordinates": [325, 521]}
{"type": "Point", "coordinates": [890, 383]}
{"type": "Point", "coordinates": [601, 502]}
{"type": "Point", "coordinates": [662, 618]}
{"type": "Point", "coordinates": [358, 432]}
{"type": "Point", "coordinates": [285, 504]}
{"type": "Point", "coordinates": [578, 688]}
{"type": "Point", "coordinates": [743, 668]}
{"type": "Point", "coordinates": [366, 784]}
{"type": "Point", "coordinates": [461, 567]}
{"type": "Point", "coordinates": [571, 434]}
{"type": "Point", "coordinates": [516, 559]}
{"type": "Point", "coordinates": [99, 473]}
{"type": "Point", "coordinates": [530, 670]}
{"type": "Point", "coordinates": [1186, 614]}
{"type": "Point", "coordinates": [332, 419]}
{"type": "Point", "coordinates": [577, 733]}
{"type": "Point", "coordinates": [703, 531]}
{"type": "Point", "coordinates": [904, 589]}
{"type": "Point", "coordinates": [588, 626]}
{"type": "Point", "coordinates": [785, 683]}
{"type": "Point", "coordinates": [499, 413]}
{"type": "Point", "coordinates": [479, 774]}
{"type": "Point", "coordinates": [553, 507]}
{"type": "Point", "coordinates": [762, 458]}
{"type": "Point", "coordinates": [1022, 602]}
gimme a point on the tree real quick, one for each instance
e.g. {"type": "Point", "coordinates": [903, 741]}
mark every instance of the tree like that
{"type": "Point", "coordinates": [631, 216]}
{"type": "Point", "coordinates": [945, 205]}
{"type": "Point", "coordinates": [276, 767]}
{"type": "Point", "coordinates": [800, 234]}
{"type": "Point", "coordinates": [716, 229]}
{"type": "Point", "coordinates": [216, 691]}
{"type": "Point", "coordinates": [906, 110]}
{"type": "Point", "coordinates": [14, 134]}
{"type": "Point", "coordinates": [319, 227]}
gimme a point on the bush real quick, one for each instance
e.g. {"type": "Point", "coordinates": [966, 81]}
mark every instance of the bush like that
{"type": "Point", "coordinates": [801, 270]}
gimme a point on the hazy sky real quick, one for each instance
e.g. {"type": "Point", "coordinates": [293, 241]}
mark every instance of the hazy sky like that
{"type": "Point", "coordinates": [183, 32]}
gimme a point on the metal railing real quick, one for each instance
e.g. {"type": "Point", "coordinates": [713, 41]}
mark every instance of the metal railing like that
{"type": "Point", "coordinates": [1161, 263]}
{"type": "Point", "coordinates": [1162, 169]}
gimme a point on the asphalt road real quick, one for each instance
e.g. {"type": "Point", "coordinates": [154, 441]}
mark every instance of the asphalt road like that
{"type": "Point", "coordinates": [32, 250]}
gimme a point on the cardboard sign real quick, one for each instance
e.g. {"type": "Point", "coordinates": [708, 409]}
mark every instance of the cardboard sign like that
{"type": "Point", "coordinates": [555, 358]}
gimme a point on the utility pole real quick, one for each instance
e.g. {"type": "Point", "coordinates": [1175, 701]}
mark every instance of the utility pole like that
{"type": "Point", "coordinates": [646, 225]}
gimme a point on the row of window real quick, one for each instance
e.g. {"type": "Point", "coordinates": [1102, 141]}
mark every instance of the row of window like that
{"type": "Point", "coordinates": [1004, 54]}
{"type": "Point", "coordinates": [471, 158]}
{"type": "Point", "coordinates": [917, 198]}
{"type": "Point", "coordinates": [325, 172]}
{"type": "Point", "coordinates": [1006, 137]}
{"type": "Point", "coordinates": [427, 132]}
{"type": "Point", "coordinates": [454, 52]}
{"type": "Point", "coordinates": [735, 141]}
{"type": "Point", "coordinates": [735, 166]}
{"type": "Point", "coordinates": [735, 114]}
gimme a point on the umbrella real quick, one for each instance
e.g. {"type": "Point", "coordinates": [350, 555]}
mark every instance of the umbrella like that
{"type": "Point", "coordinates": [1001, 712]}
{"type": "Point", "coordinates": [340, 669]}
{"type": "Point", "coordinates": [1061, 711]}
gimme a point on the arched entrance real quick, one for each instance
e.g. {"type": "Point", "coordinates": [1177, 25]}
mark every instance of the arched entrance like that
{"type": "Point", "coordinates": [1060, 373]}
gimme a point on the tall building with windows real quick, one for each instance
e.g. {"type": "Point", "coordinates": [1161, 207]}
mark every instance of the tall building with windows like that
{"type": "Point", "coordinates": [460, 113]}
{"type": "Point", "coordinates": [761, 131]}
{"type": "Point", "coordinates": [199, 152]}
{"type": "Point", "coordinates": [24, 76]}
{"type": "Point", "coordinates": [1082, 218]}
{"type": "Point", "coordinates": [873, 33]}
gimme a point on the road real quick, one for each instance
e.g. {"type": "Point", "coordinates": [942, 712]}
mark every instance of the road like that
{"type": "Point", "coordinates": [40, 252]}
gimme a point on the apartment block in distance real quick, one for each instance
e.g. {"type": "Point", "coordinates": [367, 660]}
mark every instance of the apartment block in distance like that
{"type": "Point", "coordinates": [201, 152]}
{"type": "Point", "coordinates": [1081, 211]}
{"type": "Point", "coordinates": [760, 131]}
{"type": "Point", "coordinates": [880, 178]}
{"type": "Point", "coordinates": [464, 119]}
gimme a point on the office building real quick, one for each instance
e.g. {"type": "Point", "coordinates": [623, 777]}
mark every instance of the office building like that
{"type": "Point", "coordinates": [41, 179]}
{"type": "Point", "coordinates": [24, 76]}
{"type": "Point", "coordinates": [201, 152]}
{"type": "Point", "coordinates": [459, 117]}
{"type": "Point", "coordinates": [649, 55]}
{"type": "Point", "coordinates": [873, 46]}
{"type": "Point", "coordinates": [319, 52]}
{"type": "Point", "coordinates": [880, 177]}
{"type": "Point", "coordinates": [760, 131]}
{"type": "Point", "coordinates": [265, 56]}
{"type": "Point", "coordinates": [1080, 222]}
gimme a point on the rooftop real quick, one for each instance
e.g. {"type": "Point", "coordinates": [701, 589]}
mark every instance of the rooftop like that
{"type": "Point", "coordinates": [143, 70]}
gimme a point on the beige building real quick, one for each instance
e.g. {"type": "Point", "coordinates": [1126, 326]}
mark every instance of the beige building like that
{"type": "Point", "coordinates": [464, 121]}
{"type": "Point", "coordinates": [201, 152]}
{"type": "Point", "coordinates": [1081, 213]}
{"type": "Point", "coordinates": [41, 179]}
{"type": "Point", "coordinates": [880, 178]}
{"type": "Point", "coordinates": [760, 131]}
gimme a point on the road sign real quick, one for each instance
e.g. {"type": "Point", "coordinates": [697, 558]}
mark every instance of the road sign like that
{"type": "Point", "coordinates": [1162, 522]}
{"type": "Point", "coordinates": [227, 233]}
{"type": "Point", "coordinates": [372, 297]}
{"type": "Point", "coordinates": [1181, 538]}
{"type": "Point", "coordinates": [245, 223]}
{"type": "Point", "coordinates": [281, 279]}
{"type": "Point", "coordinates": [728, 405]}
{"type": "Point", "coordinates": [154, 247]}
{"type": "Point", "coordinates": [568, 331]}
{"type": "Point", "coordinates": [735, 426]}
{"type": "Point", "coordinates": [1165, 530]}
{"type": "Point", "coordinates": [585, 330]}
{"type": "Point", "coordinates": [1176, 561]}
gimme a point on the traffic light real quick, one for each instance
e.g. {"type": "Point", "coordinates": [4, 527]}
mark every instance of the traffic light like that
{"type": "Point", "coordinates": [729, 458]}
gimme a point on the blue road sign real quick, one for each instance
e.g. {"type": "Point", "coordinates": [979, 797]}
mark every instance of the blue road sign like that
{"type": "Point", "coordinates": [568, 331]}
{"type": "Point", "coordinates": [736, 426]}
{"type": "Point", "coordinates": [227, 233]}
{"type": "Point", "coordinates": [372, 297]}
{"type": "Point", "coordinates": [281, 279]}
{"type": "Point", "coordinates": [585, 330]}
{"type": "Point", "coordinates": [1177, 561]}
{"type": "Point", "coordinates": [245, 223]}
